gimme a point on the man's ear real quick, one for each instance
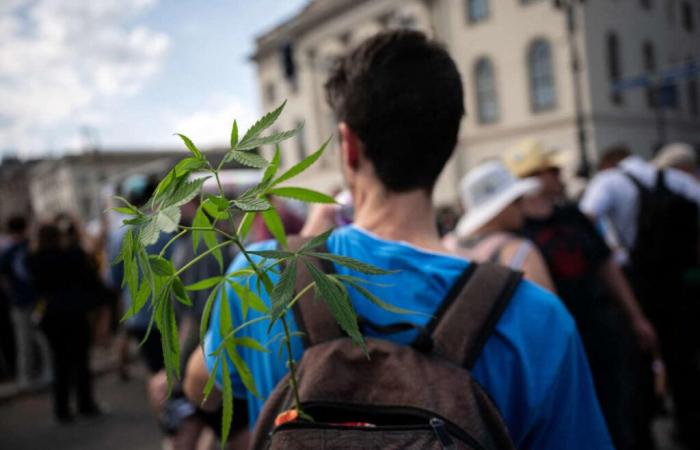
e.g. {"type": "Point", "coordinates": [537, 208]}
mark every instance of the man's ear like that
{"type": "Point", "coordinates": [350, 147]}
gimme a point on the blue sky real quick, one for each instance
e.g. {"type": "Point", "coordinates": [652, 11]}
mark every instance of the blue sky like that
{"type": "Point", "coordinates": [134, 71]}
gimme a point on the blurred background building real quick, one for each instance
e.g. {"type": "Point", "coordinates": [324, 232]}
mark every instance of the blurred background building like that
{"type": "Point", "coordinates": [581, 74]}
{"type": "Point", "coordinates": [78, 183]}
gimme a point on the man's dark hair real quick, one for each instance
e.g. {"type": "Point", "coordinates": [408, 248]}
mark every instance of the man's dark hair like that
{"type": "Point", "coordinates": [402, 95]}
{"type": "Point", "coordinates": [16, 225]}
{"type": "Point", "coordinates": [612, 155]}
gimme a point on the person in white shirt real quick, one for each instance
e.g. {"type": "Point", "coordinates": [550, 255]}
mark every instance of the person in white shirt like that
{"type": "Point", "coordinates": [611, 193]}
{"type": "Point", "coordinates": [657, 265]}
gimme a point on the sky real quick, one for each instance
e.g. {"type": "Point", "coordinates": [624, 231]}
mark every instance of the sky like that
{"type": "Point", "coordinates": [127, 74]}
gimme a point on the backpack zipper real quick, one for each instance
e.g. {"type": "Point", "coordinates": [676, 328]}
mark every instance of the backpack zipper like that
{"type": "Point", "coordinates": [441, 433]}
{"type": "Point", "coordinates": [436, 423]}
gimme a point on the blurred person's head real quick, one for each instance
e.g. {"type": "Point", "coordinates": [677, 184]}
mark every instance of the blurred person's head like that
{"type": "Point", "coordinates": [398, 100]}
{"type": "Point", "coordinates": [48, 237]}
{"type": "Point", "coordinates": [491, 197]}
{"type": "Point", "coordinates": [17, 227]}
{"type": "Point", "coordinates": [529, 158]}
{"type": "Point", "coordinates": [137, 189]}
{"type": "Point", "coordinates": [70, 230]}
{"type": "Point", "coordinates": [612, 156]}
{"type": "Point", "coordinates": [679, 156]}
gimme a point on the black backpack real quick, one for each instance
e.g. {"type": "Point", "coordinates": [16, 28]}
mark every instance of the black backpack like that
{"type": "Point", "coordinates": [403, 397]}
{"type": "Point", "coordinates": [667, 232]}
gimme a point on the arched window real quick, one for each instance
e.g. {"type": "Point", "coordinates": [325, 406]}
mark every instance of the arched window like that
{"type": "Point", "coordinates": [614, 69]}
{"type": "Point", "coordinates": [541, 74]}
{"type": "Point", "coordinates": [477, 10]}
{"type": "Point", "coordinates": [485, 84]}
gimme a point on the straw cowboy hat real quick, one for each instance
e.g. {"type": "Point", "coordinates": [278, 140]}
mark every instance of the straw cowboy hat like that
{"type": "Point", "coordinates": [488, 189]}
{"type": "Point", "coordinates": [529, 156]}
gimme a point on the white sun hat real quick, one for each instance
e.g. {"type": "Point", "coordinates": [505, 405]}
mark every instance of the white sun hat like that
{"type": "Point", "coordinates": [488, 189]}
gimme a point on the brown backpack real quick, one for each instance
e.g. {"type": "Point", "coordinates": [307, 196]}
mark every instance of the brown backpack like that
{"type": "Point", "coordinates": [403, 397]}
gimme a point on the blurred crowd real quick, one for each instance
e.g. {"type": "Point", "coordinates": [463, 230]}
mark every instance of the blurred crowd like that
{"type": "Point", "coordinates": [622, 256]}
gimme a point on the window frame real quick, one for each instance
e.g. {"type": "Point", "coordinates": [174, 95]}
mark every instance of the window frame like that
{"type": "Point", "coordinates": [534, 79]}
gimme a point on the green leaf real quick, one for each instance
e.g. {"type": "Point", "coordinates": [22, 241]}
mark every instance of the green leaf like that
{"type": "Point", "coordinates": [184, 192]}
{"type": "Point", "coordinates": [316, 241]}
{"type": "Point", "coordinates": [352, 263]}
{"type": "Point", "coordinates": [206, 313]}
{"type": "Point", "coordinates": [242, 368]}
{"type": "Point", "coordinates": [149, 233]}
{"type": "Point", "coordinates": [376, 300]}
{"type": "Point", "coordinates": [250, 343]}
{"type": "Point", "coordinates": [211, 241]}
{"type": "Point", "coordinates": [261, 125]}
{"type": "Point", "coordinates": [161, 266]}
{"type": "Point", "coordinates": [248, 297]}
{"type": "Point", "coordinates": [200, 220]}
{"type": "Point", "coordinates": [188, 165]}
{"type": "Point", "coordinates": [283, 291]}
{"type": "Point", "coordinates": [303, 194]}
{"type": "Point", "coordinates": [166, 185]}
{"type": "Point", "coordinates": [212, 378]}
{"type": "Point", "coordinates": [190, 145]}
{"type": "Point", "coordinates": [274, 138]}
{"type": "Point", "coordinates": [125, 210]}
{"type": "Point", "coordinates": [275, 254]}
{"type": "Point", "coordinates": [167, 219]}
{"type": "Point", "coordinates": [246, 224]}
{"type": "Point", "coordinates": [227, 415]}
{"type": "Point", "coordinates": [272, 168]}
{"type": "Point", "coordinates": [251, 204]}
{"type": "Point", "coordinates": [225, 322]}
{"type": "Point", "coordinates": [273, 222]}
{"type": "Point", "coordinates": [338, 303]}
{"type": "Point", "coordinates": [234, 135]}
{"type": "Point", "coordinates": [302, 165]}
{"type": "Point", "coordinates": [249, 159]}
{"type": "Point", "coordinates": [213, 210]}
{"type": "Point", "coordinates": [138, 301]}
{"type": "Point", "coordinates": [219, 201]}
{"type": "Point", "coordinates": [180, 292]}
{"type": "Point", "coordinates": [204, 284]}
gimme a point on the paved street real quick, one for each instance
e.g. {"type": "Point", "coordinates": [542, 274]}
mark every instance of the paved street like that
{"type": "Point", "coordinates": [27, 424]}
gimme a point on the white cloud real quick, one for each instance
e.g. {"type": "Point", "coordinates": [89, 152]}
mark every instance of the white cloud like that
{"type": "Point", "coordinates": [58, 58]}
{"type": "Point", "coordinates": [211, 125]}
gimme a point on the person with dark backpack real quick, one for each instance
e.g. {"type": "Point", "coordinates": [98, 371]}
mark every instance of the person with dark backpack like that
{"type": "Point", "coordinates": [655, 214]}
{"type": "Point", "coordinates": [484, 360]}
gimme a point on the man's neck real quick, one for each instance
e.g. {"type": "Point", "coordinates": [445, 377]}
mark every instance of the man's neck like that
{"type": "Point", "coordinates": [406, 216]}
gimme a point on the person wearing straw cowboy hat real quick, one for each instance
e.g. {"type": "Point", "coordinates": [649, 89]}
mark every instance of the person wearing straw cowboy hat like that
{"type": "Point", "coordinates": [491, 197]}
{"type": "Point", "coordinates": [586, 278]}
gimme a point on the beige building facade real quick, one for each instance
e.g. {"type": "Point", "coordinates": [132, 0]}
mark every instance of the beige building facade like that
{"type": "Point", "coordinates": [515, 57]}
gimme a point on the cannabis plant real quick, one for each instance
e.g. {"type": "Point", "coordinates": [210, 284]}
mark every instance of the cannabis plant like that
{"type": "Point", "coordinates": [154, 282]}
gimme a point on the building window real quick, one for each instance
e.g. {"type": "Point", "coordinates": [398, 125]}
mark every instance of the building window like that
{"type": "Point", "coordinates": [541, 74]}
{"type": "Point", "coordinates": [486, 98]}
{"type": "Point", "coordinates": [477, 10]}
{"type": "Point", "coordinates": [687, 17]}
{"type": "Point", "coordinates": [649, 60]}
{"type": "Point", "coordinates": [614, 70]}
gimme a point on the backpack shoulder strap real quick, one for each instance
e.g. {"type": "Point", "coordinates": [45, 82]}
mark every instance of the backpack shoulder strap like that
{"type": "Point", "coordinates": [312, 316]}
{"type": "Point", "coordinates": [463, 325]}
{"type": "Point", "coordinates": [638, 184]}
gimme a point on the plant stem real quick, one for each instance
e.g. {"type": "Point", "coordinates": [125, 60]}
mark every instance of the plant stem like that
{"type": "Point", "coordinates": [171, 241]}
{"type": "Point", "coordinates": [213, 228]}
{"type": "Point", "coordinates": [292, 366]}
{"type": "Point", "coordinates": [200, 256]}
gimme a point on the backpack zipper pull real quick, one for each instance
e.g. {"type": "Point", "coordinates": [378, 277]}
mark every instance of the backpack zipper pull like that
{"type": "Point", "coordinates": [438, 426]}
